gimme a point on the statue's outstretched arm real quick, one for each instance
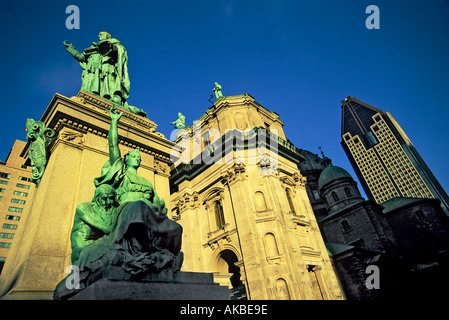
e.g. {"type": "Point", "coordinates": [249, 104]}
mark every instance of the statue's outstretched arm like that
{"type": "Point", "coordinates": [75, 53]}
{"type": "Point", "coordinates": [114, 151]}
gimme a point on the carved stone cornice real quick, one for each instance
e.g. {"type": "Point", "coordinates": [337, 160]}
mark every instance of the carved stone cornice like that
{"type": "Point", "coordinates": [296, 180]}
{"type": "Point", "coordinates": [299, 179]}
{"type": "Point", "coordinates": [88, 113]}
{"type": "Point", "coordinates": [95, 101]}
{"type": "Point", "coordinates": [268, 166]}
{"type": "Point", "coordinates": [186, 201]}
{"type": "Point", "coordinates": [237, 172]}
{"type": "Point", "coordinates": [217, 237]}
{"type": "Point", "coordinates": [86, 128]}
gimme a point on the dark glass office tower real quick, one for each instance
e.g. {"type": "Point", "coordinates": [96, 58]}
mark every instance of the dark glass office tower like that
{"type": "Point", "coordinates": [383, 157]}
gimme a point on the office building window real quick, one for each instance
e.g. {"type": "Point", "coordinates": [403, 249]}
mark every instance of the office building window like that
{"type": "Point", "coordinates": [5, 175]}
{"type": "Point", "coordinates": [6, 235]}
{"type": "Point", "coordinates": [19, 193]}
{"type": "Point", "coordinates": [10, 217]}
{"type": "Point", "coordinates": [24, 186]}
{"type": "Point", "coordinates": [15, 209]}
{"type": "Point", "coordinates": [18, 201]}
{"type": "Point", "coordinates": [9, 226]}
{"type": "Point", "coordinates": [4, 182]}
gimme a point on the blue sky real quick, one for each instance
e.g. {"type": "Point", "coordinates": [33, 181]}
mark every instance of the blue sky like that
{"type": "Point", "coordinates": [298, 58]}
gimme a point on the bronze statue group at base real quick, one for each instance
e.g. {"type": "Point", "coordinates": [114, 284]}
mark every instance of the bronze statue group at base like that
{"type": "Point", "coordinates": [125, 225]}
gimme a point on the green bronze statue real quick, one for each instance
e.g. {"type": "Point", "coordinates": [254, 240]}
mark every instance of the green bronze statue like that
{"type": "Point", "coordinates": [180, 123]}
{"type": "Point", "coordinates": [217, 91]}
{"type": "Point", "coordinates": [125, 225]}
{"type": "Point", "coordinates": [40, 139]}
{"type": "Point", "coordinates": [93, 220]}
{"type": "Point", "coordinates": [105, 70]}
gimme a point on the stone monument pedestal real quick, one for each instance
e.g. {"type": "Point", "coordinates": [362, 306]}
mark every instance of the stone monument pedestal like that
{"type": "Point", "coordinates": [115, 284]}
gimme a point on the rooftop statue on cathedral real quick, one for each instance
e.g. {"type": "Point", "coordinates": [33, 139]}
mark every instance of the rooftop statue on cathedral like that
{"type": "Point", "coordinates": [105, 70]}
{"type": "Point", "coordinates": [180, 123]}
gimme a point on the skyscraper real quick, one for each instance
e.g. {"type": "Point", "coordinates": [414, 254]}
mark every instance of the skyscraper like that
{"type": "Point", "coordinates": [383, 157]}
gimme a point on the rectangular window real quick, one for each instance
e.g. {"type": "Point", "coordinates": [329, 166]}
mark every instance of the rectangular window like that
{"type": "Point", "coordinates": [15, 209]}
{"type": "Point", "coordinates": [19, 193]}
{"type": "Point", "coordinates": [6, 235]}
{"type": "Point", "coordinates": [18, 201]}
{"type": "Point", "coordinates": [25, 179]}
{"type": "Point", "coordinates": [5, 175]}
{"type": "Point", "coordinates": [24, 186]}
{"type": "Point", "coordinates": [346, 226]}
{"type": "Point", "coordinates": [10, 217]}
{"type": "Point", "coordinates": [4, 182]}
{"type": "Point", "coordinates": [2, 190]}
{"type": "Point", "coordinates": [9, 226]}
{"type": "Point", "coordinates": [5, 245]}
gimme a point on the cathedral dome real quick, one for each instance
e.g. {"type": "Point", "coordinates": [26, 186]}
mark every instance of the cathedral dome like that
{"type": "Point", "coordinates": [330, 174]}
{"type": "Point", "coordinates": [313, 162]}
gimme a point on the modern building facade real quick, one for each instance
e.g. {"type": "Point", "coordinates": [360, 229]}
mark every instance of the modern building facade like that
{"type": "Point", "coordinates": [16, 193]}
{"type": "Point", "coordinates": [383, 157]}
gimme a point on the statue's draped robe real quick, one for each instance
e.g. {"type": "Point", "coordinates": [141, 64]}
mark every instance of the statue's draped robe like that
{"type": "Point", "coordinates": [105, 73]}
{"type": "Point", "coordinates": [142, 237]}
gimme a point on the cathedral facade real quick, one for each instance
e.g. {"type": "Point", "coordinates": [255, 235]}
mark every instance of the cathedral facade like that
{"type": "Point", "coordinates": [242, 202]}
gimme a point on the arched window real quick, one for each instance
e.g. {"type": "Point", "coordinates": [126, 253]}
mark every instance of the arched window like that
{"type": "Point", "coordinates": [206, 138]}
{"type": "Point", "coordinates": [271, 245]}
{"type": "Point", "coordinates": [334, 195]}
{"type": "Point", "coordinates": [290, 201]}
{"type": "Point", "coordinates": [282, 291]}
{"type": "Point", "coordinates": [348, 192]}
{"type": "Point", "coordinates": [219, 216]}
{"type": "Point", "coordinates": [259, 199]}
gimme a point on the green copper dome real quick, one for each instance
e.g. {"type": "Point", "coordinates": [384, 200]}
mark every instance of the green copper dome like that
{"type": "Point", "coordinates": [330, 174]}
